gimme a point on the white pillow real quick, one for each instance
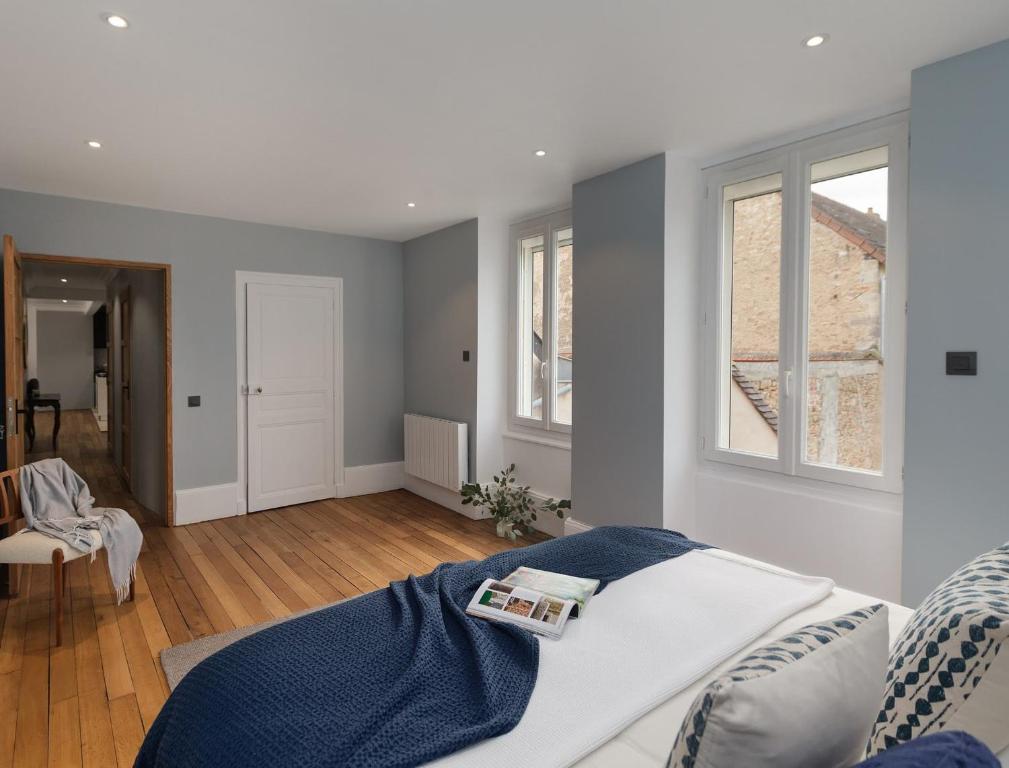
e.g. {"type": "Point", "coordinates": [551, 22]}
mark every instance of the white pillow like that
{"type": "Point", "coordinates": [808, 699]}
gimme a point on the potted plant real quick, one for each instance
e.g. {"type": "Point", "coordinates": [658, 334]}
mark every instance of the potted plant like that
{"type": "Point", "coordinates": [510, 504]}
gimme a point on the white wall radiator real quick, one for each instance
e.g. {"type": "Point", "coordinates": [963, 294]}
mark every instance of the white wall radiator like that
{"type": "Point", "coordinates": [436, 450]}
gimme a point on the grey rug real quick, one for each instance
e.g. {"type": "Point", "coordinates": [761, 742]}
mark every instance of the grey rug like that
{"type": "Point", "coordinates": [178, 660]}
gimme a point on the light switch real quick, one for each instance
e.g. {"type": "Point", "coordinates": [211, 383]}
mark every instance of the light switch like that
{"type": "Point", "coordinates": [961, 363]}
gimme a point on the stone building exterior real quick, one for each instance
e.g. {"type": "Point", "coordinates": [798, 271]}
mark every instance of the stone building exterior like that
{"type": "Point", "coordinates": [847, 273]}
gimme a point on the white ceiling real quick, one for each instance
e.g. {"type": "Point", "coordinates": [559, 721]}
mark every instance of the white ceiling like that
{"type": "Point", "coordinates": [333, 114]}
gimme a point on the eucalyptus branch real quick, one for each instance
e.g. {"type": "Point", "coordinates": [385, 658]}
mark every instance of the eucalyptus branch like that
{"type": "Point", "coordinates": [508, 502]}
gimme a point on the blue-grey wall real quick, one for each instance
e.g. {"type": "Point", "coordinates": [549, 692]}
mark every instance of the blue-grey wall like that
{"type": "Point", "coordinates": [439, 322]}
{"type": "Point", "coordinates": [617, 440]}
{"type": "Point", "coordinates": [956, 484]}
{"type": "Point", "coordinates": [205, 253]}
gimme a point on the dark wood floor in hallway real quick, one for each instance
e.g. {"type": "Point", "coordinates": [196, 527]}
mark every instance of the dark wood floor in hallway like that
{"type": "Point", "coordinates": [89, 702]}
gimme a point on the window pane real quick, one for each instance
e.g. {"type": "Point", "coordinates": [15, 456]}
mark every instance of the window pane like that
{"type": "Point", "coordinates": [752, 227]}
{"type": "Point", "coordinates": [563, 374]}
{"type": "Point", "coordinates": [847, 275]}
{"type": "Point", "coordinates": [530, 331]}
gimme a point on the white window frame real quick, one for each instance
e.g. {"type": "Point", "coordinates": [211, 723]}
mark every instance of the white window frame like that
{"type": "Point", "coordinates": [547, 226]}
{"type": "Point", "coordinates": [794, 162]}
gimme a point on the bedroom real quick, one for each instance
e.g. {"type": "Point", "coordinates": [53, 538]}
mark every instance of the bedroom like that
{"type": "Point", "coordinates": [425, 210]}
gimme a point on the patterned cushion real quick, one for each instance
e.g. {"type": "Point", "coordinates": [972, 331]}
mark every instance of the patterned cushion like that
{"type": "Point", "coordinates": [806, 699]}
{"type": "Point", "coordinates": [946, 672]}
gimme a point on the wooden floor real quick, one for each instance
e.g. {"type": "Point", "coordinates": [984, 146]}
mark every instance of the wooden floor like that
{"type": "Point", "coordinates": [89, 702]}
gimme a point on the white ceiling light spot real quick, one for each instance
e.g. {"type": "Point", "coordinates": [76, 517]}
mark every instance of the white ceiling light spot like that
{"type": "Point", "coordinates": [540, 153]}
{"type": "Point", "coordinates": [815, 41]}
{"type": "Point", "coordinates": [64, 301]}
{"type": "Point", "coordinates": [115, 20]}
{"type": "Point", "coordinates": [94, 144]}
{"type": "Point", "coordinates": [64, 280]}
{"type": "Point", "coordinates": [411, 205]}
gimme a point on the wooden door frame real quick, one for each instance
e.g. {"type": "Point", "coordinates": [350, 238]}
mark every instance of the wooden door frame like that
{"type": "Point", "coordinates": [14, 325]}
{"type": "Point", "coordinates": [166, 270]}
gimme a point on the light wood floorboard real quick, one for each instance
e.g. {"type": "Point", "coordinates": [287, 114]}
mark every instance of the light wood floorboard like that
{"type": "Point", "coordinates": [89, 702]}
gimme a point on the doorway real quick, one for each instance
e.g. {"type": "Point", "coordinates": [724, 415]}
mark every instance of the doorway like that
{"type": "Point", "coordinates": [290, 389]}
{"type": "Point", "coordinates": [96, 398]}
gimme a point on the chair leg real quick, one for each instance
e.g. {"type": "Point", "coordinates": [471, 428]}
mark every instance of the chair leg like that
{"type": "Point", "coordinates": [13, 572]}
{"type": "Point", "coordinates": [56, 426]}
{"type": "Point", "coordinates": [133, 587]}
{"type": "Point", "coordinates": [58, 593]}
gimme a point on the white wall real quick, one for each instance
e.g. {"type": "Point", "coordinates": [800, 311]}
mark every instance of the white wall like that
{"type": "Point", "coordinates": [493, 249]}
{"type": "Point", "coordinates": [65, 357]}
{"type": "Point", "coordinates": [544, 468]}
{"type": "Point", "coordinates": [680, 342]}
{"type": "Point", "coordinates": [850, 535]}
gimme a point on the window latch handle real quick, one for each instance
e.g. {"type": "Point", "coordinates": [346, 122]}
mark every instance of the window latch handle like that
{"type": "Point", "coordinates": [788, 383]}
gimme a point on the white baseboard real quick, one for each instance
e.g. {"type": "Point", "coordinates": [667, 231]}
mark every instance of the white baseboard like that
{"type": "Point", "coordinates": [371, 478]}
{"type": "Point", "coordinates": [212, 502]}
{"type": "Point", "coordinates": [450, 499]}
{"type": "Point", "coordinates": [572, 526]}
{"type": "Point", "coordinates": [548, 522]}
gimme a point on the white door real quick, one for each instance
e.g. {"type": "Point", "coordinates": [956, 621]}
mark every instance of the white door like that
{"type": "Point", "coordinates": [291, 436]}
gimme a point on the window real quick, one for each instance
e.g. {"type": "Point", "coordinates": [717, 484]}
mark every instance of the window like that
{"type": "Point", "coordinates": [543, 356]}
{"type": "Point", "coordinates": [805, 319]}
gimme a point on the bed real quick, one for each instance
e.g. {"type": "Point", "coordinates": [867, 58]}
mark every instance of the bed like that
{"type": "Point", "coordinates": [640, 702]}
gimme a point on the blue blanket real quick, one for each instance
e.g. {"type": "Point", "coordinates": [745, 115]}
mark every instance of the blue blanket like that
{"type": "Point", "coordinates": [397, 677]}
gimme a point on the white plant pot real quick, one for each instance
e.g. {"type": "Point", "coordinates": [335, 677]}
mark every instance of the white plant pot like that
{"type": "Point", "coordinates": [504, 529]}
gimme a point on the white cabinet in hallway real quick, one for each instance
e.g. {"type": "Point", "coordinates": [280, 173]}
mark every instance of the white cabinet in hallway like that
{"type": "Point", "coordinates": [101, 409]}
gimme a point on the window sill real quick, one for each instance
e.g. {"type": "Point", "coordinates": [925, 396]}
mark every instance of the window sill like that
{"type": "Point", "coordinates": [821, 488]}
{"type": "Point", "coordinates": [550, 442]}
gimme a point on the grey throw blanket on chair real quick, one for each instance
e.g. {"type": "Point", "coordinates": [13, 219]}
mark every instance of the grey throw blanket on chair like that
{"type": "Point", "coordinates": [56, 501]}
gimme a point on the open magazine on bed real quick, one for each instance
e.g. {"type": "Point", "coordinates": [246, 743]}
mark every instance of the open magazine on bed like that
{"type": "Point", "coordinates": [540, 601]}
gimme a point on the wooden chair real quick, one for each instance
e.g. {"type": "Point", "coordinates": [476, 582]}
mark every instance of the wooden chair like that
{"type": "Point", "coordinates": [33, 548]}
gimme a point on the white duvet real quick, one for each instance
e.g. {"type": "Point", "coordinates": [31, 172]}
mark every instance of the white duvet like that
{"type": "Point", "coordinates": [642, 640]}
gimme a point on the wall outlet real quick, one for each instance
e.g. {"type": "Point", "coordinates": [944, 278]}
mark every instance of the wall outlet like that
{"type": "Point", "coordinates": [194, 401]}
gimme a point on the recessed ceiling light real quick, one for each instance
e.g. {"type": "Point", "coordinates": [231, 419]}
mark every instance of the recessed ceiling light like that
{"type": "Point", "coordinates": [95, 144]}
{"type": "Point", "coordinates": [816, 40]}
{"type": "Point", "coordinates": [64, 301]}
{"type": "Point", "coordinates": [115, 20]}
{"type": "Point", "coordinates": [540, 153]}
{"type": "Point", "coordinates": [63, 280]}
{"type": "Point", "coordinates": [411, 205]}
